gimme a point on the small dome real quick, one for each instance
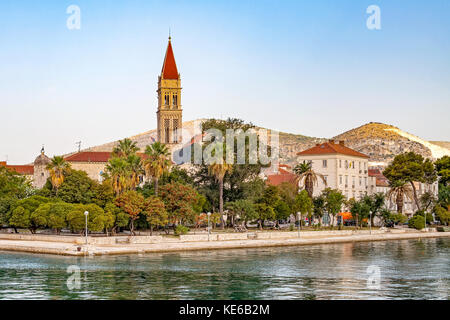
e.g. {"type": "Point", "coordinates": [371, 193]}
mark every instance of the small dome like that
{"type": "Point", "coordinates": [42, 160]}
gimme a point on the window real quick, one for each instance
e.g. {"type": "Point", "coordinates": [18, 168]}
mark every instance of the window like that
{"type": "Point", "coordinates": [346, 164]}
{"type": "Point", "coordinates": [346, 180]}
{"type": "Point", "coordinates": [324, 163]}
{"type": "Point", "coordinates": [166, 99]}
{"type": "Point", "coordinates": [326, 179]}
{"type": "Point", "coordinates": [353, 181]}
{"type": "Point", "coordinates": [175, 100]}
{"type": "Point", "coordinates": [365, 181]}
{"type": "Point", "coordinates": [360, 181]}
{"type": "Point", "coordinates": [340, 179]}
{"type": "Point", "coordinates": [167, 130]}
{"type": "Point", "coordinates": [340, 163]}
{"type": "Point", "coordinates": [175, 130]}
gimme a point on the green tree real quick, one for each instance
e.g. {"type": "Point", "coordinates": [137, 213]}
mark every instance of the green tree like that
{"type": "Point", "coordinates": [334, 200]}
{"type": "Point", "coordinates": [443, 215]}
{"type": "Point", "coordinates": [155, 211]}
{"type": "Point", "coordinates": [238, 183]}
{"type": "Point", "coordinates": [77, 188]}
{"type": "Point", "coordinates": [319, 206]}
{"type": "Point", "coordinates": [264, 212]}
{"type": "Point", "coordinates": [410, 168]}
{"type": "Point", "coordinates": [29, 205]}
{"type": "Point", "coordinates": [125, 148]}
{"type": "Point", "coordinates": [375, 202]}
{"type": "Point", "coordinates": [179, 201]}
{"type": "Point", "coordinates": [398, 190]}
{"type": "Point", "coordinates": [443, 170]}
{"type": "Point", "coordinates": [118, 174]}
{"type": "Point", "coordinates": [308, 177]}
{"type": "Point", "coordinates": [158, 162]}
{"type": "Point", "coordinates": [121, 219]}
{"type": "Point", "coordinates": [265, 205]}
{"type": "Point", "coordinates": [20, 218]}
{"type": "Point", "coordinates": [361, 209]}
{"type": "Point", "coordinates": [132, 203]}
{"type": "Point", "coordinates": [58, 169]}
{"type": "Point", "coordinates": [244, 210]}
{"type": "Point", "coordinates": [304, 205]}
{"type": "Point", "coordinates": [219, 170]}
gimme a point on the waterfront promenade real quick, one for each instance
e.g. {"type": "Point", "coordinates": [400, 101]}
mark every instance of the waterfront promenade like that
{"type": "Point", "coordinates": [75, 246]}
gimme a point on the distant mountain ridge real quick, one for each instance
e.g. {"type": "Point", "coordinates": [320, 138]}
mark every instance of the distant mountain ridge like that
{"type": "Point", "coordinates": [381, 142]}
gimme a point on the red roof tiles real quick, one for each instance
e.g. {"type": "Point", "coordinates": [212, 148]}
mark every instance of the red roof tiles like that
{"type": "Point", "coordinates": [88, 156]}
{"type": "Point", "coordinates": [332, 148]}
{"type": "Point", "coordinates": [169, 69]}
{"type": "Point", "coordinates": [25, 170]}
{"type": "Point", "coordinates": [381, 180]}
{"type": "Point", "coordinates": [282, 176]}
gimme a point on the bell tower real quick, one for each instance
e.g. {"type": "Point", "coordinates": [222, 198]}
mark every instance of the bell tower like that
{"type": "Point", "coordinates": [169, 112]}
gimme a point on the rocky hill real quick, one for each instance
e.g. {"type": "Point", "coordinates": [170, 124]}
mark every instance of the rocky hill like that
{"type": "Point", "coordinates": [383, 142]}
{"type": "Point", "coordinates": [380, 141]}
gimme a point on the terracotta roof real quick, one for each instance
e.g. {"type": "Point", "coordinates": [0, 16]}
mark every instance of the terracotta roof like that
{"type": "Point", "coordinates": [169, 69]}
{"type": "Point", "coordinates": [25, 170]}
{"type": "Point", "coordinates": [332, 148]}
{"type": "Point", "coordinates": [88, 156]}
{"type": "Point", "coordinates": [381, 180]}
{"type": "Point", "coordinates": [281, 176]}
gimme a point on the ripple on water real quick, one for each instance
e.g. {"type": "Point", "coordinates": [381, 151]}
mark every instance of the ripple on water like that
{"type": "Point", "coordinates": [410, 269]}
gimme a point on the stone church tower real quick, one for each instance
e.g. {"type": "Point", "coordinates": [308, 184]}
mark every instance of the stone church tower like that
{"type": "Point", "coordinates": [41, 173]}
{"type": "Point", "coordinates": [169, 112]}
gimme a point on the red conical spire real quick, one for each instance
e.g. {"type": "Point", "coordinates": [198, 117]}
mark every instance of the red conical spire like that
{"type": "Point", "coordinates": [169, 69]}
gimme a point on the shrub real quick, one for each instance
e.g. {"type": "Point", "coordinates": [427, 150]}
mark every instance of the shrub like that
{"type": "Point", "coordinates": [180, 229]}
{"type": "Point", "coordinates": [443, 215]}
{"type": "Point", "coordinates": [417, 222]}
{"type": "Point", "coordinates": [291, 227]}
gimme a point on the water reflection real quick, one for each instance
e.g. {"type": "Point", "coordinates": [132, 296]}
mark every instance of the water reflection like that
{"type": "Point", "coordinates": [413, 269]}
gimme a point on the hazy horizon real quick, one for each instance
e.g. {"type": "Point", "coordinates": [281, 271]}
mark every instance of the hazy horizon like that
{"type": "Point", "coordinates": [310, 68]}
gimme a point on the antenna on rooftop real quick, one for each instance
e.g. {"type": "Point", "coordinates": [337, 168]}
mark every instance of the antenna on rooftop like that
{"type": "Point", "coordinates": [79, 145]}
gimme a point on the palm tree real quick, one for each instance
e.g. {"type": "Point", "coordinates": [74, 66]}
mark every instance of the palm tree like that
{"type": "Point", "coordinates": [136, 169]}
{"type": "Point", "coordinates": [398, 191]}
{"type": "Point", "coordinates": [219, 170]}
{"type": "Point", "coordinates": [58, 168]}
{"type": "Point", "coordinates": [305, 173]}
{"type": "Point", "coordinates": [158, 162]}
{"type": "Point", "coordinates": [119, 173]}
{"type": "Point", "coordinates": [125, 148]}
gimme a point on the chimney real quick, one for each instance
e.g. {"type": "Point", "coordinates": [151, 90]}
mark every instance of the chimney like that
{"type": "Point", "coordinates": [342, 142]}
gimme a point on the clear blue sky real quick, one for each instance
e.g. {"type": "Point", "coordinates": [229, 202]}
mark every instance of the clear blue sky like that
{"type": "Point", "coordinates": [308, 67]}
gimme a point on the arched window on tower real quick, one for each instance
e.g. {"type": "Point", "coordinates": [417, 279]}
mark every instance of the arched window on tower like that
{"type": "Point", "coordinates": [167, 130]}
{"type": "Point", "coordinates": [175, 100]}
{"type": "Point", "coordinates": [175, 130]}
{"type": "Point", "coordinates": [166, 99]}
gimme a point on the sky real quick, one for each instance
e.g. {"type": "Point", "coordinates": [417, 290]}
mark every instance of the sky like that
{"type": "Point", "coordinates": [304, 67]}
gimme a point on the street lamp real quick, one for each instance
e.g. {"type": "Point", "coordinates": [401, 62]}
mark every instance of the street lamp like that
{"type": "Point", "coordinates": [298, 227]}
{"type": "Point", "coordinates": [370, 222]}
{"type": "Point", "coordinates": [86, 213]}
{"type": "Point", "coordinates": [209, 229]}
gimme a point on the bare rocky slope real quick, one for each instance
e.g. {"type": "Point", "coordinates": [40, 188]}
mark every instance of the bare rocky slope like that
{"type": "Point", "coordinates": [380, 141]}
